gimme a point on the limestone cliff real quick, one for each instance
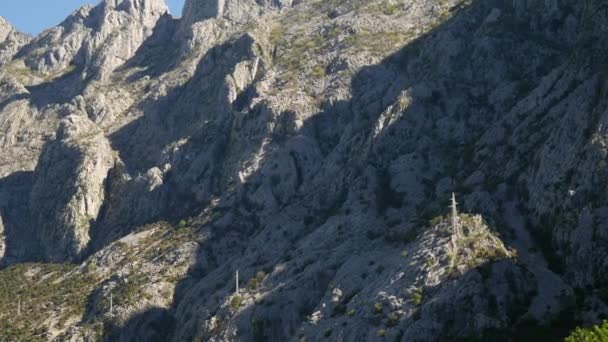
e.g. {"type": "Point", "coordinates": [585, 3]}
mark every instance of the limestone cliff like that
{"type": "Point", "coordinates": [69, 187]}
{"type": "Point", "coordinates": [312, 146]}
{"type": "Point", "coordinates": [11, 41]}
{"type": "Point", "coordinates": [98, 39]}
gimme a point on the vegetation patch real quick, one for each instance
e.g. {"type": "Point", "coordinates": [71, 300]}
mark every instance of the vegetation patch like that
{"type": "Point", "coordinates": [597, 333]}
{"type": "Point", "coordinates": [377, 308]}
{"type": "Point", "coordinates": [31, 293]}
{"type": "Point", "coordinates": [256, 280]}
{"type": "Point", "coordinates": [417, 296]}
{"type": "Point", "coordinates": [24, 75]}
{"type": "Point", "coordinates": [235, 302]}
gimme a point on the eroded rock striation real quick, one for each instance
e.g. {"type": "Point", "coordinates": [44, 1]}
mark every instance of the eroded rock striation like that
{"type": "Point", "coordinates": [98, 39]}
{"type": "Point", "coordinates": [11, 41]}
{"type": "Point", "coordinates": [69, 188]}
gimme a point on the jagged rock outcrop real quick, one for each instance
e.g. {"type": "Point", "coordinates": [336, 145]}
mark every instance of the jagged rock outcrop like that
{"type": "Point", "coordinates": [11, 41]}
{"type": "Point", "coordinates": [124, 26]}
{"type": "Point", "coordinates": [11, 91]}
{"type": "Point", "coordinates": [98, 39]}
{"type": "Point", "coordinates": [69, 188]}
{"type": "Point", "coordinates": [240, 11]}
{"type": "Point", "coordinates": [131, 201]}
{"type": "Point", "coordinates": [23, 129]}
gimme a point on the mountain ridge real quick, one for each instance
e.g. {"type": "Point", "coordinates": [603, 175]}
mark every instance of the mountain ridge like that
{"type": "Point", "coordinates": [312, 146]}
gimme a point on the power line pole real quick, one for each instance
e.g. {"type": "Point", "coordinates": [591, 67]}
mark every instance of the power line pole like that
{"type": "Point", "coordinates": [19, 307]}
{"type": "Point", "coordinates": [237, 282]}
{"type": "Point", "coordinates": [454, 214]}
{"type": "Point", "coordinates": [455, 231]}
{"type": "Point", "coordinates": [111, 308]}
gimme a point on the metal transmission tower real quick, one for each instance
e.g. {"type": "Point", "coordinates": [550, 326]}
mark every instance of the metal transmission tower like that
{"type": "Point", "coordinates": [455, 232]}
{"type": "Point", "coordinates": [454, 215]}
{"type": "Point", "coordinates": [237, 283]}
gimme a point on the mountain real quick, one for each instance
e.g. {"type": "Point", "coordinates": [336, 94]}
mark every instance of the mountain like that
{"type": "Point", "coordinates": [11, 41]}
{"type": "Point", "coordinates": [312, 147]}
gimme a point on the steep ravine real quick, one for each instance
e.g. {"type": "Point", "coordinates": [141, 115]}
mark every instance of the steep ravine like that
{"type": "Point", "coordinates": [312, 146]}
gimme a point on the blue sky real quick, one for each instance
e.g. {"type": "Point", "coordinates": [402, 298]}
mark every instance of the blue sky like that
{"type": "Point", "coordinates": [33, 16]}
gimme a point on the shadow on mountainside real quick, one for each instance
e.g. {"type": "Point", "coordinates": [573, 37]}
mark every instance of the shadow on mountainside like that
{"type": "Point", "coordinates": [58, 90]}
{"type": "Point", "coordinates": [14, 211]}
{"type": "Point", "coordinates": [158, 53]}
{"type": "Point", "coordinates": [348, 203]}
{"type": "Point", "coordinates": [11, 99]}
{"type": "Point", "coordinates": [182, 112]}
{"type": "Point", "coordinates": [142, 143]}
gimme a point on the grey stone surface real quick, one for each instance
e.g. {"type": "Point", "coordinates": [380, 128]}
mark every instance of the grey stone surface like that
{"type": "Point", "coordinates": [69, 187]}
{"type": "Point", "coordinates": [11, 41]}
{"type": "Point", "coordinates": [308, 144]}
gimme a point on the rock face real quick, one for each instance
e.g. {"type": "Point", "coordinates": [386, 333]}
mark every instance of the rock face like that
{"type": "Point", "coordinates": [240, 11]}
{"type": "Point", "coordinates": [312, 146]}
{"type": "Point", "coordinates": [97, 38]}
{"type": "Point", "coordinates": [163, 257]}
{"type": "Point", "coordinates": [434, 288]}
{"type": "Point", "coordinates": [69, 187]}
{"type": "Point", "coordinates": [11, 41]}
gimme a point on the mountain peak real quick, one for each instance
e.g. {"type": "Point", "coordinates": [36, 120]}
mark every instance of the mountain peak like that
{"type": "Point", "coordinates": [239, 11]}
{"type": "Point", "coordinates": [143, 8]}
{"type": "Point", "coordinates": [11, 40]}
{"type": "Point", "coordinates": [97, 38]}
{"type": "Point", "coordinates": [4, 22]}
{"type": "Point", "coordinates": [6, 28]}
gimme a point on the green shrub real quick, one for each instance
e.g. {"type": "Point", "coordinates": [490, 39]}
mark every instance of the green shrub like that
{"type": "Point", "coordinates": [91, 267]}
{"type": "Point", "coordinates": [377, 308]}
{"type": "Point", "coordinates": [235, 302]}
{"type": "Point", "coordinates": [255, 282]}
{"type": "Point", "coordinates": [392, 319]}
{"type": "Point", "coordinates": [389, 9]}
{"type": "Point", "coordinates": [417, 296]}
{"type": "Point", "coordinates": [318, 72]}
{"type": "Point", "coordinates": [436, 220]}
{"type": "Point", "coordinates": [276, 34]}
{"type": "Point", "coordinates": [597, 333]}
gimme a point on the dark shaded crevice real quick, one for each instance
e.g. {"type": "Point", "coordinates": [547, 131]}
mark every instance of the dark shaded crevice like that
{"type": "Point", "coordinates": [14, 207]}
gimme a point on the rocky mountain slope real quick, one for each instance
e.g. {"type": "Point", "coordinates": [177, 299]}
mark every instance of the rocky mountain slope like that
{"type": "Point", "coordinates": [11, 41]}
{"type": "Point", "coordinates": [312, 146]}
